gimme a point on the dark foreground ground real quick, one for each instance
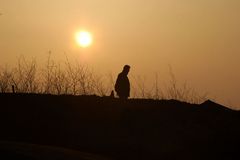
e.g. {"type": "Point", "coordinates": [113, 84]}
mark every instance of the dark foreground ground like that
{"type": "Point", "coordinates": [94, 128]}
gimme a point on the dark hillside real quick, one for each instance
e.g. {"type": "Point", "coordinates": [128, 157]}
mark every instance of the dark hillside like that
{"type": "Point", "coordinates": [133, 129]}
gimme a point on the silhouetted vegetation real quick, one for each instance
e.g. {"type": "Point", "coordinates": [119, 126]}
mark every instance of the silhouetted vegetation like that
{"type": "Point", "coordinates": [80, 79]}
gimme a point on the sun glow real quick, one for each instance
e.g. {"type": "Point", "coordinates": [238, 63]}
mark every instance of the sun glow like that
{"type": "Point", "coordinates": [83, 38]}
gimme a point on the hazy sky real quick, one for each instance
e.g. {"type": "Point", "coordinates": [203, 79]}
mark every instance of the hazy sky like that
{"type": "Point", "coordinates": [200, 39]}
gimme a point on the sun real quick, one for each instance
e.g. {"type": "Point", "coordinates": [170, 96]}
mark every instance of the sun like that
{"type": "Point", "coordinates": [83, 38]}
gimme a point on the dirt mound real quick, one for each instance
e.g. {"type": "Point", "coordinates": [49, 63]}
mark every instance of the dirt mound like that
{"type": "Point", "coordinates": [133, 129]}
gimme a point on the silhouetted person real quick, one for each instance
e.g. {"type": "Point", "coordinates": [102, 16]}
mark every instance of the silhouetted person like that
{"type": "Point", "coordinates": [122, 86]}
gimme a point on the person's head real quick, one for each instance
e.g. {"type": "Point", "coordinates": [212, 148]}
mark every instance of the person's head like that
{"type": "Point", "coordinates": [126, 69]}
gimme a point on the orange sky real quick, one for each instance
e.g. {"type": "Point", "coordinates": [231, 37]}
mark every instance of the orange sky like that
{"type": "Point", "coordinates": [199, 39]}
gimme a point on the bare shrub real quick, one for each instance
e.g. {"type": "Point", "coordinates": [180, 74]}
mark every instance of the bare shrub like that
{"type": "Point", "coordinates": [173, 89]}
{"type": "Point", "coordinates": [100, 86]}
{"type": "Point", "coordinates": [110, 83]}
{"type": "Point", "coordinates": [60, 81]}
{"type": "Point", "coordinates": [81, 78]}
{"type": "Point", "coordinates": [47, 76]}
{"type": "Point", "coordinates": [157, 91]}
{"type": "Point", "coordinates": [182, 92]}
{"type": "Point", "coordinates": [85, 79]}
{"type": "Point", "coordinates": [5, 79]}
{"type": "Point", "coordinates": [140, 89]}
{"type": "Point", "coordinates": [24, 76]}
